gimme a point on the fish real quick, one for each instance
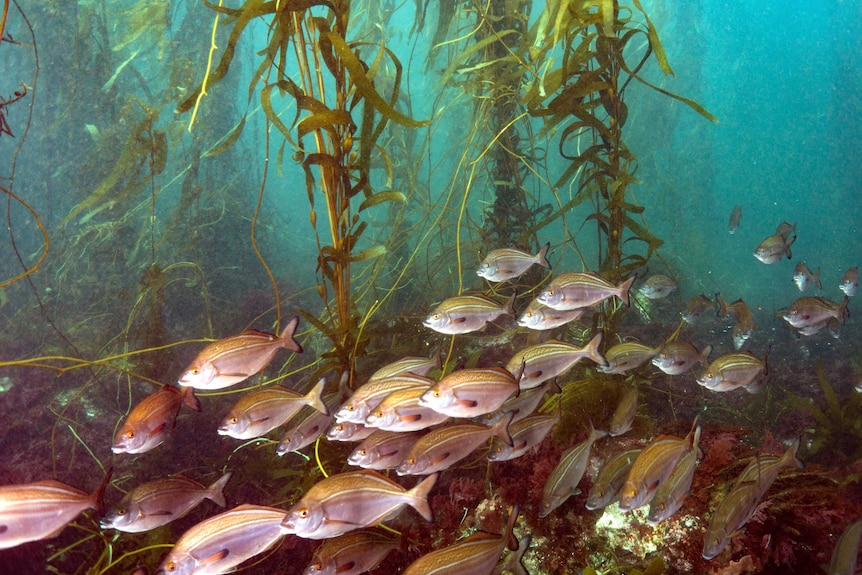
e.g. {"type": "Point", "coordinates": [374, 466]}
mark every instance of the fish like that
{"type": "Point", "coordinates": [744, 326]}
{"type": "Point", "coordinates": [538, 316]}
{"type": "Point", "coordinates": [657, 286]}
{"type": "Point", "coordinates": [466, 313]}
{"type": "Point", "coordinates": [525, 434]}
{"type": "Point", "coordinates": [671, 494]}
{"type": "Point", "coordinates": [41, 510]}
{"type": "Point", "coordinates": [508, 263]}
{"type": "Point", "coordinates": [763, 469]}
{"type": "Point", "coordinates": [353, 500]}
{"type": "Point", "coordinates": [677, 357]}
{"type": "Point", "coordinates": [573, 290]}
{"type": "Point", "coordinates": [471, 392]}
{"type": "Point", "coordinates": [846, 550]}
{"type": "Point", "coordinates": [348, 431]}
{"type": "Point", "coordinates": [610, 479]}
{"type": "Point", "coordinates": [624, 415]}
{"type": "Point", "coordinates": [443, 447]}
{"type": "Point", "coordinates": [407, 365]}
{"type": "Point", "coordinates": [539, 363]}
{"type": "Point", "coordinates": [159, 502]}
{"type": "Point", "coordinates": [735, 218]}
{"type": "Point", "coordinates": [696, 307]}
{"type": "Point", "coordinates": [259, 412]}
{"type": "Point", "coordinates": [404, 411]}
{"type": "Point", "coordinates": [809, 311]}
{"type": "Point", "coordinates": [151, 420]}
{"type": "Point", "coordinates": [234, 359]}
{"type": "Point", "coordinates": [352, 553]}
{"type": "Point", "coordinates": [523, 404]}
{"type": "Point", "coordinates": [733, 370]}
{"type": "Point", "coordinates": [478, 554]}
{"type": "Point", "coordinates": [653, 466]}
{"type": "Point", "coordinates": [804, 279]}
{"type": "Point", "coordinates": [786, 231]}
{"type": "Point", "coordinates": [383, 449]}
{"type": "Point", "coordinates": [850, 282]}
{"type": "Point", "coordinates": [627, 356]}
{"type": "Point", "coordinates": [563, 481]}
{"type": "Point", "coordinates": [772, 249]}
{"type": "Point", "coordinates": [369, 395]}
{"type": "Point", "coordinates": [218, 544]}
{"type": "Point", "coordinates": [732, 514]}
{"type": "Point", "coordinates": [305, 427]}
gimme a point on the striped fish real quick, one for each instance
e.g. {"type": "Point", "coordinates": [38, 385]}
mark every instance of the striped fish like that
{"type": "Point", "coordinates": [508, 263]}
{"type": "Point", "coordinates": [846, 550]}
{"type": "Point", "coordinates": [671, 494]}
{"type": "Point", "coordinates": [351, 554]}
{"type": "Point", "coordinates": [525, 433]}
{"type": "Point", "coordinates": [151, 420]}
{"type": "Point", "coordinates": [414, 365]}
{"type": "Point", "coordinates": [734, 370]}
{"type": "Point", "coordinates": [574, 290]}
{"type": "Point", "coordinates": [627, 356]}
{"type": "Point", "coordinates": [368, 396]}
{"type": "Point", "coordinates": [403, 411]}
{"type": "Point", "coordinates": [353, 500]}
{"type": "Point", "coordinates": [563, 480]}
{"type": "Point", "coordinates": [383, 449]}
{"type": "Point", "coordinates": [466, 313]}
{"type": "Point", "coordinates": [611, 476]}
{"type": "Point", "coordinates": [539, 363]}
{"type": "Point", "coordinates": [220, 543]}
{"type": "Point", "coordinates": [233, 359]}
{"type": "Point", "coordinates": [538, 316]}
{"type": "Point", "coordinates": [471, 392]}
{"type": "Point", "coordinates": [260, 411]}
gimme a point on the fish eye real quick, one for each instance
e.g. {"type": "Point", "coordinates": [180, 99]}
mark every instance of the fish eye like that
{"type": "Point", "coordinates": [233, 420]}
{"type": "Point", "coordinates": [436, 393]}
{"type": "Point", "coordinates": [350, 407]}
{"type": "Point", "coordinates": [362, 452]}
{"type": "Point", "coordinates": [130, 434]}
{"type": "Point", "coordinates": [303, 513]}
{"type": "Point", "coordinates": [195, 371]}
{"type": "Point", "coordinates": [121, 511]}
{"type": "Point", "coordinates": [378, 413]}
{"type": "Point", "coordinates": [170, 566]}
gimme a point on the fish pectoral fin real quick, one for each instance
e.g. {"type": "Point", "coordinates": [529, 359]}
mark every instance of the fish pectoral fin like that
{"type": "Point", "coordinates": [410, 417]}
{"type": "Point", "coordinates": [468, 402]}
{"type": "Point", "coordinates": [214, 558]}
{"type": "Point", "coordinates": [459, 320]}
{"type": "Point", "coordinates": [223, 374]}
{"type": "Point", "coordinates": [160, 428]}
{"type": "Point", "coordinates": [440, 458]}
{"type": "Point", "coordinates": [261, 420]}
{"type": "Point", "coordinates": [159, 513]}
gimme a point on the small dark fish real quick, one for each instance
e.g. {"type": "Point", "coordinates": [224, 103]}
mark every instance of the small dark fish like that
{"type": "Point", "coordinates": [151, 420]}
{"type": "Point", "coordinates": [735, 218]}
{"type": "Point", "coordinates": [220, 543]}
{"type": "Point", "coordinates": [696, 307]}
{"type": "Point", "coordinates": [850, 282]}
{"type": "Point", "coordinates": [786, 232]}
{"type": "Point", "coordinates": [624, 414]}
{"type": "Point", "coordinates": [353, 500]}
{"type": "Point", "coordinates": [233, 359]}
{"type": "Point", "coordinates": [744, 326]}
{"type": "Point", "coordinates": [804, 278]}
{"type": "Point", "coordinates": [159, 502]}
{"type": "Point", "coordinates": [508, 263]}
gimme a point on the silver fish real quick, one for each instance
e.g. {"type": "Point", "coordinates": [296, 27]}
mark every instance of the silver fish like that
{"type": "Point", "coordinates": [850, 282]}
{"type": "Point", "coordinates": [763, 469]}
{"type": "Point", "coordinates": [368, 396]}
{"type": "Point", "coordinates": [151, 420]}
{"type": "Point", "coordinates": [471, 392]}
{"type": "Point", "coordinates": [306, 426]}
{"type": "Point", "coordinates": [445, 446]}
{"type": "Point", "coordinates": [383, 449]}
{"type": "Point", "coordinates": [260, 411]}
{"type": "Point", "coordinates": [41, 510]}
{"type": "Point", "coordinates": [657, 286]}
{"type": "Point", "coordinates": [403, 410]}
{"type": "Point", "coordinates": [624, 414]}
{"type": "Point", "coordinates": [525, 434]}
{"type": "Point", "coordinates": [677, 357]}
{"type": "Point", "coordinates": [233, 359]}
{"type": "Point", "coordinates": [563, 481]}
{"type": "Point", "coordinates": [538, 316]}
{"type": "Point", "coordinates": [808, 311]}
{"type": "Point", "coordinates": [627, 356]}
{"type": "Point", "coordinates": [351, 554]}
{"type": "Point", "coordinates": [733, 370]}
{"type": "Point", "coordinates": [773, 248]}
{"type": "Point", "coordinates": [609, 481]}
{"type": "Point", "coordinates": [671, 494]}
{"type": "Point", "coordinates": [508, 263]}
{"type": "Point", "coordinates": [159, 502]}
{"type": "Point", "coordinates": [696, 307]}
{"type": "Point", "coordinates": [539, 363]}
{"type": "Point", "coordinates": [732, 514]}
{"type": "Point", "coordinates": [846, 550]}
{"type": "Point", "coordinates": [466, 313]}
{"type": "Point", "coordinates": [804, 278]}
{"type": "Point", "coordinates": [353, 500]}
{"type": "Point", "coordinates": [415, 365]}
{"type": "Point", "coordinates": [218, 544]}
{"type": "Point", "coordinates": [348, 431]}
{"type": "Point", "coordinates": [574, 290]}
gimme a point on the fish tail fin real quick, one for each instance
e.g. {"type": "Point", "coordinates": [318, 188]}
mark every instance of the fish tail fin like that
{"type": "Point", "coordinates": [510, 304]}
{"type": "Point", "coordinates": [215, 491]}
{"type": "Point", "coordinates": [315, 397]}
{"type": "Point", "coordinates": [512, 562]}
{"type": "Point", "coordinates": [501, 429]}
{"type": "Point", "coordinates": [843, 312]}
{"type": "Point", "coordinates": [816, 278]}
{"type": "Point", "coordinates": [287, 339]}
{"type": "Point", "coordinates": [625, 287]}
{"type": "Point", "coordinates": [722, 305]}
{"type": "Point", "coordinates": [704, 355]}
{"type": "Point", "coordinates": [419, 496]}
{"type": "Point", "coordinates": [542, 256]}
{"type": "Point", "coordinates": [98, 497]}
{"type": "Point", "coordinates": [593, 352]}
{"type": "Point", "coordinates": [190, 399]}
{"type": "Point", "coordinates": [789, 242]}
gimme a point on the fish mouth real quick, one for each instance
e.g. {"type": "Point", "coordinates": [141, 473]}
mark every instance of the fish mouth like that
{"type": "Point", "coordinates": [223, 430]}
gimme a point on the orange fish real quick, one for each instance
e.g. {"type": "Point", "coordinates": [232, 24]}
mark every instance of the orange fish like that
{"type": "Point", "coordinates": [152, 419]}
{"type": "Point", "coordinates": [233, 359]}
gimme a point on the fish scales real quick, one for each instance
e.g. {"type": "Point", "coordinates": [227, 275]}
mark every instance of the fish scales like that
{"type": "Point", "coordinates": [351, 554]}
{"type": "Point", "coordinates": [260, 411]}
{"type": "Point", "coordinates": [466, 313]}
{"type": "Point", "coordinates": [509, 263]}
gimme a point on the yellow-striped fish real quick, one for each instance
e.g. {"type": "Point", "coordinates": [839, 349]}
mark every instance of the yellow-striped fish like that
{"type": "Point", "coordinates": [563, 481]}
{"type": "Point", "coordinates": [471, 392]}
{"type": "Point", "coordinates": [415, 365]}
{"type": "Point", "coordinates": [260, 411]}
{"type": "Point", "coordinates": [539, 363]}
{"type": "Point", "coordinates": [508, 263]}
{"type": "Point", "coordinates": [368, 396]}
{"type": "Point", "coordinates": [352, 553]}
{"type": "Point", "coordinates": [538, 316]}
{"type": "Point", "coordinates": [466, 313]}
{"type": "Point", "coordinates": [572, 290]}
{"type": "Point", "coordinates": [403, 411]}
{"type": "Point", "coordinates": [627, 356]}
{"type": "Point", "coordinates": [733, 370]}
{"type": "Point", "coordinates": [610, 479]}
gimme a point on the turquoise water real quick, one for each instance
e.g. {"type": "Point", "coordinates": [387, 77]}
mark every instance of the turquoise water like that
{"type": "Point", "coordinates": [154, 227]}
